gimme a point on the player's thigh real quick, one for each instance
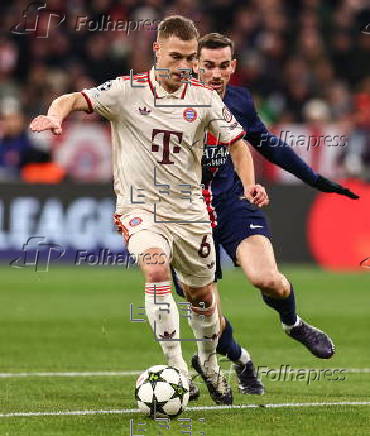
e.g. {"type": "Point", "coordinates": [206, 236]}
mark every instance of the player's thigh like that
{"type": "Point", "coordinates": [193, 255]}
{"type": "Point", "coordinates": [238, 220]}
{"type": "Point", "coordinates": [255, 255]}
{"type": "Point", "coordinates": [148, 243]}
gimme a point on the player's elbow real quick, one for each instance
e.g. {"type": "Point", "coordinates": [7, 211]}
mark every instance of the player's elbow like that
{"type": "Point", "coordinates": [80, 102]}
{"type": "Point", "coordinates": [64, 98]}
{"type": "Point", "coordinates": [235, 146]}
{"type": "Point", "coordinates": [239, 149]}
{"type": "Point", "coordinates": [73, 102]}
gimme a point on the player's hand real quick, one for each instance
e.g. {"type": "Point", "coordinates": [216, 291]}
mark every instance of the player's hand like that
{"type": "Point", "coordinates": [325, 185]}
{"type": "Point", "coordinates": [46, 122]}
{"type": "Point", "coordinates": [257, 195]}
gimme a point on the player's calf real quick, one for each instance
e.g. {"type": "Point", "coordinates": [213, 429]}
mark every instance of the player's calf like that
{"type": "Point", "coordinates": [271, 283]}
{"type": "Point", "coordinates": [283, 301]}
{"type": "Point", "coordinates": [316, 341]}
{"type": "Point", "coordinates": [205, 324]}
{"type": "Point", "coordinates": [161, 308]}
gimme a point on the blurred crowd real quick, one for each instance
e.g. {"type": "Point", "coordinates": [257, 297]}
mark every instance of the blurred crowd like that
{"type": "Point", "coordinates": [305, 61]}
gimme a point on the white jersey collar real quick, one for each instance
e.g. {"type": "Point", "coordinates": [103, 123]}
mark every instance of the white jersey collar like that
{"type": "Point", "coordinates": [158, 90]}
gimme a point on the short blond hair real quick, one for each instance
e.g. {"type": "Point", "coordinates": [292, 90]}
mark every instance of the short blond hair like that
{"type": "Point", "coordinates": [179, 26]}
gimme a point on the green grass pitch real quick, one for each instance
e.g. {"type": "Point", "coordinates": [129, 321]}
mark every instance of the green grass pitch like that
{"type": "Point", "coordinates": [77, 319]}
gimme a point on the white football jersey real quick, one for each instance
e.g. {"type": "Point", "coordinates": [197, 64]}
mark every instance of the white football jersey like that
{"type": "Point", "coordinates": [157, 140]}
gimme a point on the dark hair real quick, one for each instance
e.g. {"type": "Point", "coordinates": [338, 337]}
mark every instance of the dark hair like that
{"type": "Point", "coordinates": [177, 25]}
{"type": "Point", "coordinates": [215, 40]}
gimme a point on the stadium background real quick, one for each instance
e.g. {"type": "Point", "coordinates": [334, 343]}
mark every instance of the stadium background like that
{"type": "Point", "coordinates": [306, 62]}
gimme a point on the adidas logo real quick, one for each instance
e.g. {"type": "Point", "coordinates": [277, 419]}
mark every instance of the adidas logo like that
{"type": "Point", "coordinates": [144, 111]}
{"type": "Point", "coordinates": [168, 336]}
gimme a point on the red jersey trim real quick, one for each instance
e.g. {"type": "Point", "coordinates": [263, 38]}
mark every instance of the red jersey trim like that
{"type": "Point", "coordinates": [121, 228]}
{"type": "Point", "coordinates": [207, 197]}
{"type": "Point", "coordinates": [138, 77]}
{"type": "Point", "coordinates": [135, 75]}
{"type": "Point", "coordinates": [195, 82]}
{"type": "Point", "coordinates": [89, 104]}
{"type": "Point", "coordinates": [184, 91]}
{"type": "Point", "coordinates": [234, 139]}
{"type": "Point", "coordinates": [155, 92]}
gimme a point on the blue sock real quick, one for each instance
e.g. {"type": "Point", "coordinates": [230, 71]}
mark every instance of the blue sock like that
{"type": "Point", "coordinates": [227, 346]}
{"type": "Point", "coordinates": [284, 306]}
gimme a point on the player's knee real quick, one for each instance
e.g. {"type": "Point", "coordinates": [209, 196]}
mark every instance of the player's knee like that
{"type": "Point", "coordinates": [203, 301]}
{"type": "Point", "coordinates": [155, 266]}
{"type": "Point", "coordinates": [156, 273]}
{"type": "Point", "coordinates": [269, 284]}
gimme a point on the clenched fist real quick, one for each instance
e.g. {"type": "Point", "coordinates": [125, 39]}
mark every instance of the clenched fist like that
{"type": "Point", "coordinates": [46, 122]}
{"type": "Point", "coordinates": [257, 195]}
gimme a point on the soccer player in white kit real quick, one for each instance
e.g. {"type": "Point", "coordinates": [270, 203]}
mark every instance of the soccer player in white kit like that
{"type": "Point", "coordinates": [159, 120]}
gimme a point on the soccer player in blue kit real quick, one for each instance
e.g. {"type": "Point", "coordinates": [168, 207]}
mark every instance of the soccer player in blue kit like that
{"type": "Point", "coordinates": [242, 228]}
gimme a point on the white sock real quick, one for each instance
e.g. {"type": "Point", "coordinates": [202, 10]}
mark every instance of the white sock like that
{"type": "Point", "coordinates": [163, 315]}
{"type": "Point", "coordinates": [206, 327]}
{"type": "Point", "coordinates": [289, 327]}
{"type": "Point", "coordinates": [244, 357]}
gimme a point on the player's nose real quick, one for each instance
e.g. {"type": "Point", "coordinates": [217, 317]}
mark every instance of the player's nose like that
{"type": "Point", "coordinates": [216, 73]}
{"type": "Point", "coordinates": [184, 64]}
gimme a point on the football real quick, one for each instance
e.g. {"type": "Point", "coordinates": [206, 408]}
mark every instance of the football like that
{"type": "Point", "coordinates": [162, 391]}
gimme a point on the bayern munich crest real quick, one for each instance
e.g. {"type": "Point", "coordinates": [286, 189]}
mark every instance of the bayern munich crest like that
{"type": "Point", "coordinates": [135, 221]}
{"type": "Point", "coordinates": [190, 114]}
{"type": "Point", "coordinates": [228, 116]}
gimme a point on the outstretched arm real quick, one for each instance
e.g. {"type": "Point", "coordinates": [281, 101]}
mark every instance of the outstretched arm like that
{"type": "Point", "coordinates": [281, 154]}
{"type": "Point", "coordinates": [59, 109]}
{"type": "Point", "coordinates": [244, 167]}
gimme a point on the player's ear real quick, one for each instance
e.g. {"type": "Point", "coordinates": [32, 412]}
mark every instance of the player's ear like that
{"type": "Point", "coordinates": [196, 66]}
{"type": "Point", "coordinates": [155, 47]}
{"type": "Point", "coordinates": [233, 65]}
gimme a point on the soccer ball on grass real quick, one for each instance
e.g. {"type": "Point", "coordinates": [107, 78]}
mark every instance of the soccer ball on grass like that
{"type": "Point", "coordinates": [162, 391]}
